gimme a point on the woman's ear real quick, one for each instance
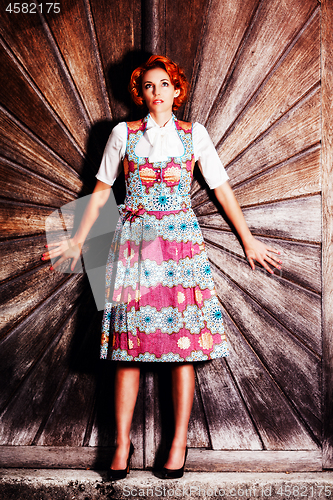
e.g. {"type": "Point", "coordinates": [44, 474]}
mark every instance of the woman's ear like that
{"type": "Point", "coordinates": [177, 92]}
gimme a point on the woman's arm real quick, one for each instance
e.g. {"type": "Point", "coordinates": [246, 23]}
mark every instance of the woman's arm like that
{"type": "Point", "coordinates": [254, 249]}
{"type": "Point", "coordinates": [71, 249]}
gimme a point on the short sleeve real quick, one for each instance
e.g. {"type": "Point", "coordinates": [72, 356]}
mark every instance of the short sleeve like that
{"type": "Point", "coordinates": [114, 152]}
{"type": "Point", "coordinates": [208, 160]}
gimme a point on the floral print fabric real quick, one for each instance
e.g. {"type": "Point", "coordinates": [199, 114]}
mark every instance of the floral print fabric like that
{"type": "Point", "coordinates": [161, 303]}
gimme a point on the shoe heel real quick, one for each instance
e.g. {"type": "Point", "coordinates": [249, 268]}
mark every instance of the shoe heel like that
{"type": "Point", "coordinates": [116, 474]}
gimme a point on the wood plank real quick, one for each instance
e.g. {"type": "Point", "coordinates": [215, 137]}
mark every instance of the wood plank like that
{"type": "Point", "coordinates": [229, 424]}
{"type": "Point", "coordinates": [253, 461]}
{"type": "Point", "coordinates": [278, 424]}
{"type": "Point", "coordinates": [301, 263]}
{"type": "Point", "coordinates": [190, 15]}
{"type": "Point", "coordinates": [298, 176]}
{"type": "Point", "coordinates": [17, 183]}
{"type": "Point", "coordinates": [20, 96]}
{"type": "Point", "coordinates": [30, 406]}
{"type": "Point", "coordinates": [39, 55]}
{"type": "Point", "coordinates": [278, 350]}
{"type": "Point", "coordinates": [224, 26]}
{"type": "Point", "coordinates": [154, 26]}
{"type": "Point", "coordinates": [75, 35]}
{"type": "Point", "coordinates": [296, 131]}
{"type": "Point", "coordinates": [301, 315]}
{"type": "Point", "coordinates": [277, 220]}
{"type": "Point", "coordinates": [197, 435]}
{"type": "Point", "coordinates": [327, 210]}
{"type": "Point", "coordinates": [274, 28]}
{"type": "Point", "coordinates": [22, 219]}
{"type": "Point", "coordinates": [294, 75]}
{"type": "Point", "coordinates": [20, 145]}
{"type": "Point", "coordinates": [68, 420]}
{"type": "Point", "coordinates": [20, 255]}
{"type": "Point", "coordinates": [31, 336]}
{"type": "Point", "coordinates": [64, 457]}
{"type": "Point", "coordinates": [153, 420]}
{"type": "Point", "coordinates": [23, 294]}
{"type": "Point", "coordinates": [119, 34]}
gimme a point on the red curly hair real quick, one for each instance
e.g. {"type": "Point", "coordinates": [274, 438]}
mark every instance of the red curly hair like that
{"type": "Point", "coordinates": [176, 75]}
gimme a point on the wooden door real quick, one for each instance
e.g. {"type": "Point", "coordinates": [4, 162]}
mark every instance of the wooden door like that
{"type": "Point", "coordinates": [254, 68]}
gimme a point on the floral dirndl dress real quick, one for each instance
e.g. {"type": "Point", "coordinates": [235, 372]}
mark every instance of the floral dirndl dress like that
{"type": "Point", "coordinates": [161, 303]}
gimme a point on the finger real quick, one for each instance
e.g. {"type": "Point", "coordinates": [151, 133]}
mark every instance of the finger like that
{"type": "Point", "coordinates": [251, 263]}
{"type": "Point", "coordinates": [273, 250]}
{"type": "Point", "coordinates": [263, 263]}
{"type": "Point", "coordinates": [274, 262]}
{"type": "Point", "coordinates": [59, 261]}
{"type": "Point", "coordinates": [74, 261]}
{"type": "Point", "coordinates": [52, 254]}
{"type": "Point", "coordinates": [274, 258]}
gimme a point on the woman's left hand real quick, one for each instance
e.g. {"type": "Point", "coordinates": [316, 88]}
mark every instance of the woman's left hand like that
{"type": "Point", "coordinates": [256, 250]}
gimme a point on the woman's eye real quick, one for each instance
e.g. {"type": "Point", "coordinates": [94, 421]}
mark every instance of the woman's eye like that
{"type": "Point", "coordinates": [165, 84]}
{"type": "Point", "coordinates": [147, 86]}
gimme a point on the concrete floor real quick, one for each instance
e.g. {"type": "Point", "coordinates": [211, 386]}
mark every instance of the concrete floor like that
{"type": "Point", "coordinates": [71, 484]}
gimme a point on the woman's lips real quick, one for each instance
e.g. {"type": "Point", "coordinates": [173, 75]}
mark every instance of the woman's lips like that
{"type": "Point", "coordinates": [157, 101]}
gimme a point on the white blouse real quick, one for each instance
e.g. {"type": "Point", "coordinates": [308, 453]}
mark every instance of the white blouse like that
{"type": "Point", "coordinates": [158, 144]}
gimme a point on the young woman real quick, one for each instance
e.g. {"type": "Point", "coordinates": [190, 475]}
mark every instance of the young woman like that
{"type": "Point", "coordinates": [161, 304]}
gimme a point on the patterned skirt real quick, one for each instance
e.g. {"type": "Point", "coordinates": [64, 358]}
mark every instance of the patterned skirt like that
{"type": "Point", "coordinates": [161, 303]}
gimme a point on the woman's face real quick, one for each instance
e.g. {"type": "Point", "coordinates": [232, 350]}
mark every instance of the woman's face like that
{"type": "Point", "coordinates": [158, 91]}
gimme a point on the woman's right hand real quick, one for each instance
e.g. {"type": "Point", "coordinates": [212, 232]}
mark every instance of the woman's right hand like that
{"type": "Point", "coordinates": [66, 249]}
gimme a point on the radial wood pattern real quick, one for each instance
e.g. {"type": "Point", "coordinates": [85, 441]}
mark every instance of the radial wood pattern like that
{"type": "Point", "coordinates": [254, 68]}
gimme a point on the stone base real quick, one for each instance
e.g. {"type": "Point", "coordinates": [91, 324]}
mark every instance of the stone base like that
{"type": "Point", "coordinates": [61, 484]}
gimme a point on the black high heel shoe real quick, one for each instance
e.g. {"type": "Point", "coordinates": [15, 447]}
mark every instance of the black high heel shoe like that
{"type": "Point", "coordinates": [173, 473]}
{"type": "Point", "coordinates": [115, 474]}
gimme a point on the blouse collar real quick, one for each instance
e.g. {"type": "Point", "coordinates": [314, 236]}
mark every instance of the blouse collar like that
{"type": "Point", "coordinates": [150, 122]}
{"type": "Point", "coordinates": [159, 138]}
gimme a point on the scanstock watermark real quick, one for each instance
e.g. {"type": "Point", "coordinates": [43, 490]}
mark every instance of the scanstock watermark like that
{"type": "Point", "coordinates": [63, 223]}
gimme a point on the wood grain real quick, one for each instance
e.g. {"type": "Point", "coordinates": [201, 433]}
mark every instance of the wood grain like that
{"type": "Point", "coordinates": [295, 131]}
{"type": "Point", "coordinates": [55, 457]}
{"type": "Point", "coordinates": [22, 219]}
{"type": "Point", "coordinates": [23, 99]}
{"type": "Point", "coordinates": [274, 27]}
{"type": "Point", "coordinates": [20, 255]}
{"type": "Point", "coordinates": [277, 220]}
{"type": "Point", "coordinates": [119, 35]}
{"type": "Point", "coordinates": [197, 435]}
{"type": "Point", "coordinates": [295, 74]}
{"type": "Point", "coordinates": [254, 461]}
{"type": "Point", "coordinates": [229, 424]}
{"type": "Point", "coordinates": [327, 210]}
{"type": "Point", "coordinates": [301, 263]}
{"type": "Point", "coordinates": [279, 351]}
{"type": "Point", "coordinates": [20, 184]}
{"type": "Point", "coordinates": [277, 424]}
{"type": "Point", "coordinates": [38, 389]}
{"type": "Point", "coordinates": [225, 25]}
{"type": "Point", "coordinates": [302, 317]}
{"type": "Point", "coordinates": [190, 15]}
{"type": "Point", "coordinates": [295, 177]}
{"type": "Point", "coordinates": [29, 38]}
{"type": "Point", "coordinates": [74, 34]}
{"type": "Point", "coordinates": [32, 335]}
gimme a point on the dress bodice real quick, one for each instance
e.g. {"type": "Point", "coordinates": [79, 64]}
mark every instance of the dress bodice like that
{"type": "Point", "coordinates": [158, 186]}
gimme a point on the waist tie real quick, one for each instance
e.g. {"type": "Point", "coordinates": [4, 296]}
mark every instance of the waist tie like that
{"type": "Point", "coordinates": [131, 214]}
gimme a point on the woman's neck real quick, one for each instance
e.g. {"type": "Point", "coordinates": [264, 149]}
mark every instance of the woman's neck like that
{"type": "Point", "coordinates": [161, 118]}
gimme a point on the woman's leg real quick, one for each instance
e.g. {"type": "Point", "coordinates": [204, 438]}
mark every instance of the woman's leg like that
{"type": "Point", "coordinates": [126, 390]}
{"type": "Point", "coordinates": [183, 383]}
